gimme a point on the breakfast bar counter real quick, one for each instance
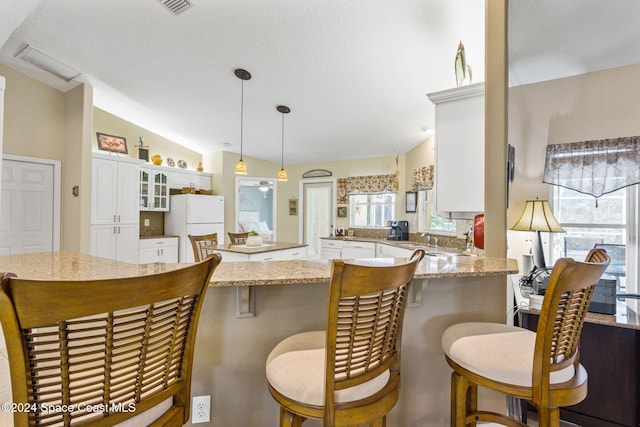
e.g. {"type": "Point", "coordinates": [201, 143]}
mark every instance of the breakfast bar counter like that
{"type": "Point", "coordinates": [291, 297]}
{"type": "Point", "coordinates": [260, 273]}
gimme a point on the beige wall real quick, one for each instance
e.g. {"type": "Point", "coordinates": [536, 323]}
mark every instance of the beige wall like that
{"type": "Point", "coordinates": [223, 163]}
{"type": "Point", "coordinates": [591, 106]}
{"type": "Point", "coordinates": [43, 122]}
{"type": "Point", "coordinates": [108, 123]}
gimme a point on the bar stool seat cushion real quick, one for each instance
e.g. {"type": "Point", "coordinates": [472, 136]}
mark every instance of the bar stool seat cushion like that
{"type": "Point", "coordinates": [499, 352]}
{"type": "Point", "coordinates": [296, 369]}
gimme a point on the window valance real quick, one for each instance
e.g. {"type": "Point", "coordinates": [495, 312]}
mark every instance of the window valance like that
{"type": "Point", "coordinates": [371, 184]}
{"type": "Point", "coordinates": [422, 178]}
{"type": "Point", "coordinates": [594, 167]}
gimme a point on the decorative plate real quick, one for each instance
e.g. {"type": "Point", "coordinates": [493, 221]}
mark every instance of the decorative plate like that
{"type": "Point", "coordinates": [182, 164]}
{"type": "Point", "coordinates": [170, 162]}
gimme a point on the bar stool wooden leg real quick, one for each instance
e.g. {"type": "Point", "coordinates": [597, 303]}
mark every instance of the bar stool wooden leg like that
{"type": "Point", "coordinates": [381, 422]}
{"type": "Point", "coordinates": [548, 417]}
{"type": "Point", "coordinates": [288, 419]}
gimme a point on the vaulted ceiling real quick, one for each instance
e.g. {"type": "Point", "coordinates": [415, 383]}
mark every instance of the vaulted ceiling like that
{"type": "Point", "coordinates": [354, 73]}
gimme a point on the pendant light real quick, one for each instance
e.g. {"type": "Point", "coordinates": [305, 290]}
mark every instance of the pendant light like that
{"type": "Point", "coordinates": [282, 175]}
{"type": "Point", "coordinates": [241, 166]}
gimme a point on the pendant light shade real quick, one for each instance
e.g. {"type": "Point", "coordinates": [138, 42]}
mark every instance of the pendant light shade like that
{"type": "Point", "coordinates": [241, 166]}
{"type": "Point", "coordinates": [282, 174]}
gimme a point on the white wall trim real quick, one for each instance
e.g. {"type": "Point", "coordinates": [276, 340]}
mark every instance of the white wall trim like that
{"type": "Point", "coordinates": [57, 186]}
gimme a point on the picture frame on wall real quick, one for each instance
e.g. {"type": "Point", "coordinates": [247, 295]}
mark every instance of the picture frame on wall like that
{"type": "Point", "coordinates": [342, 211]}
{"type": "Point", "coordinates": [293, 206]}
{"type": "Point", "coordinates": [411, 198]}
{"type": "Point", "coordinates": [115, 144]}
{"type": "Point", "coordinates": [143, 154]}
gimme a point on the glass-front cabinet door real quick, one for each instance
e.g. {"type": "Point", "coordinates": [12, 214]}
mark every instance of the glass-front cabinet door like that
{"type": "Point", "coordinates": [154, 190]}
{"type": "Point", "coordinates": [144, 190]}
{"type": "Point", "coordinates": [160, 191]}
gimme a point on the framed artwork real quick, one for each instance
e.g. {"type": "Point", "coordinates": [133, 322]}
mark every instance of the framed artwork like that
{"type": "Point", "coordinates": [115, 144]}
{"type": "Point", "coordinates": [342, 211]}
{"type": "Point", "coordinates": [143, 154]}
{"type": "Point", "coordinates": [293, 206]}
{"type": "Point", "coordinates": [411, 201]}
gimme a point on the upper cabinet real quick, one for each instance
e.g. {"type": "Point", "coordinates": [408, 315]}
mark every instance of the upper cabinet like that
{"type": "Point", "coordinates": [459, 151]}
{"type": "Point", "coordinates": [114, 194]}
{"type": "Point", "coordinates": [184, 178]}
{"type": "Point", "coordinates": [154, 189]}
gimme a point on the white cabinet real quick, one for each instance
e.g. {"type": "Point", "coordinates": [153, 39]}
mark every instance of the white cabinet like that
{"type": "Point", "coordinates": [184, 178]}
{"type": "Point", "coordinates": [355, 249]}
{"type": "Point", "coordinates": [154, 190]}
{"type": "Point", "coordinates": [277, 255]}
{"type": "Point", "coordinates": [115, 211]}
{"type": "Point", "coordinates": [117, 241]}
{"type": "Point", "coordinates": [459, 151]}
{"type": "Point", "coordinates": [293, 253]}
{"type": "Point", "coordinates": [390, 251]}
{"type": "Point", "coordinates": [331, 249]}
{"type": "Point", "coordinates": [163, 249]}
{"type": "Point", "coordinates": [114, 191]}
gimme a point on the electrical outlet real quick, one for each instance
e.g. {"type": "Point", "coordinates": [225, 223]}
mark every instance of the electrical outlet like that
{"type": "Point", "coordinates": [146, 222]}
{"type": "Point", "coordinates": [201, 409]}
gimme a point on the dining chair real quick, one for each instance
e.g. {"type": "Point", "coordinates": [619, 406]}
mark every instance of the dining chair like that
{"type": "Point", "coordinates": [203, 245]}
{"type": "Point", "coordinates": [540, 367]}
{"type": "Point", "coordinates": [238, 238]}
{"type": "Point", "coordinates": [350, 373]}
{"type": "Point", "coordinates": [103, 352]}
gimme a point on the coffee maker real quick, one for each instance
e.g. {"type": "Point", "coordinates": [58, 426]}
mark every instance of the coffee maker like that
{"type": "Point", "coordinates": [398, 230]}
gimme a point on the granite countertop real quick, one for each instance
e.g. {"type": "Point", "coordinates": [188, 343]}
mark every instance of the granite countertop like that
{"type": "Point", "coordinates": [404, 244]}
{"type": "Point", "coordinates": [65, 265]}
{"type": "Point", "coordinates": [259, 273]}
{"type": "Point", "coordinates": [265, 247]}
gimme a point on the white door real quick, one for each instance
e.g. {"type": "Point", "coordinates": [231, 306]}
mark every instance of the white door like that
{"type": "Point", "coordinates": [318, 210]}
{"type": "Point", "coordinates": [27, 203]}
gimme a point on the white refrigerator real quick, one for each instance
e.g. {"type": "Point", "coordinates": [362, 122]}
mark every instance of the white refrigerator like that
{"type": "Point", "coordinates": [194, 214]}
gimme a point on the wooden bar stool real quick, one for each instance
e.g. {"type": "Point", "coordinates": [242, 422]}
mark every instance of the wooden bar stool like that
{"type": "Point", "coordinates": [350, 373]}
{"type": "Point", "coordinates": [203, 246]}
{"type": "Point", "coordinates": [104, 352]}
{"type": "Point", "coordinates": [238, 238]}
{"type": "Point", "coordinates": [541, 367]}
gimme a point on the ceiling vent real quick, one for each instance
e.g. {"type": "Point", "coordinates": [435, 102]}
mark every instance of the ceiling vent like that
{"type": "Point", "coordinates": [177, 6]}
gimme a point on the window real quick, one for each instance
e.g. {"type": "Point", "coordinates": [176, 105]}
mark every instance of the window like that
{"type": "Point", "coordinates": [588, 224]}
{"type": "Point", "coordinates": [371, 210]}
{"type": "Point", "coordinates": [428, 220]}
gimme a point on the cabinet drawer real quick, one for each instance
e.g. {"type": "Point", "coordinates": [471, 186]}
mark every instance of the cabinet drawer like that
{"type": "Point", "coordinates": [332, 244]}
{"type": "Point", "coordinates": [293, 253]}
{"type": "Point", "coordinates": [161, 242]}
{"type": "Point", "coordinates": [359, 245]}
{"type": "Point", "coordinates": [266, 256]}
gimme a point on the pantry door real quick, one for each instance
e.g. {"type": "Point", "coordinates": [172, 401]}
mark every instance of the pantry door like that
{"type": "Point", "coordinates": [28, 219]}
{"type": "Point", "coordinates": [318, 213]}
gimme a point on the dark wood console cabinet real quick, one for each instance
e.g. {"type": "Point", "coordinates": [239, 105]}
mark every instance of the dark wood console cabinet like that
{"type": "Point", "coordinates": [610, 354]}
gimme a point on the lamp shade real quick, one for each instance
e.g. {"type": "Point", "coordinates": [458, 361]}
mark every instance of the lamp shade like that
{"type": "Point", "coordinates": [537, 216]}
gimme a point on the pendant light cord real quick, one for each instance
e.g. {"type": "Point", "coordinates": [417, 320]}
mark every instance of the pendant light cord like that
{"type": "Point", "coordinates": [241, 113]}
{"type": "Point", "coordinates": [282, 161]}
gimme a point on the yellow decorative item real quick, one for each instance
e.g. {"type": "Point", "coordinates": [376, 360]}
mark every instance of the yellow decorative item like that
{"type": "Point", "coordinates": [156, 159]}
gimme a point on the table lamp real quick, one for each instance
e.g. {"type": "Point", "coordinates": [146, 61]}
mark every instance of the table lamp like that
{"type": "Point", "coordinates": [537, 216]}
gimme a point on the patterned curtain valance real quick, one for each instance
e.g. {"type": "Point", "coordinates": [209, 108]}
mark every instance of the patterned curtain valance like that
{"type": "Point", "coordinates": [422, 178]}
{"type": "Point", "coordinates": [371, 184]}
{"type": "Point", "coordinates": [594, 167]}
